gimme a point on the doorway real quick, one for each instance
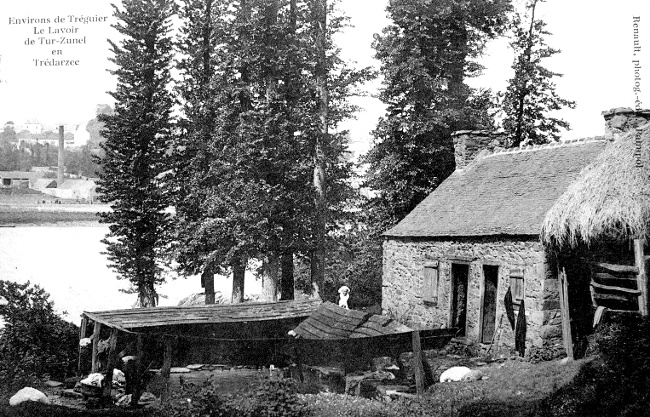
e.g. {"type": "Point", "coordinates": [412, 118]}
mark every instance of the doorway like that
{"type": "Point", "coordinates": [490, 285]}
{"type": "Point", "coordinates": [459, 276]}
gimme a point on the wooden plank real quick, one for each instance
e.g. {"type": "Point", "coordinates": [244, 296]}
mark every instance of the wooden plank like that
{"type": "Point", "coordinates": [346, 323]}
{"type": "Point", "coordinates": [318, 333]}
{"type": "Point", "coordinates": [96, 331]}
{"type": "Point", "coordinates": [110, 363]}
{"type": "Point", "coordinates": [592, 291]}
{"type": "Point", "coordinates": [566, 317]}
{"type": "Point", "coordinates": [82, 335]}
{"type": "Point", "coordinates": [617, 268]}
{"type": "Point", "coordinates": [380, 320]}
{"type": "Point", "coordinates": [139, 371]}
{"type": "Point", "coordinates": [165, 370]}
{"type": "Point", "coordinates": [642, 277]}
{"type": "Point", "coordinates": [99, 319]}
{"type": "Point", "coordinates": [341, 317]}
{"type": "Point", "coordinates": [418, 367]}
{"type": "Point", "coordinates": [605, 276]}
{"type": "Point", "coordinates": [330, 331]}
{"type": "Point", "coordinates": [612, 288]}
{"type": "Point", "coordinates": [614, 297]}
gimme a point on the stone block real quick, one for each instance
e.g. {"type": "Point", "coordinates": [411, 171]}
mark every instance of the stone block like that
{"type": "Point", "coordinates": [550, 332]}
{"type": "Point", "coordinates": [551, 305]}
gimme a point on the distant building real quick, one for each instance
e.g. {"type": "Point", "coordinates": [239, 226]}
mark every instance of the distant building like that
{"type": "Point", "coordinates": [84, 190]}
{"type": "Point", "coordinates": [32, 126]}
{"type": "Point", "coordinates": [43, 183]}
{"type": "Point", "coordinates": [19, 179]}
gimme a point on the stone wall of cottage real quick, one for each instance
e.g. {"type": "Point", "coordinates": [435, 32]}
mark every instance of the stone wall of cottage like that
{"type": "Point", "coordinates": [403, 270]}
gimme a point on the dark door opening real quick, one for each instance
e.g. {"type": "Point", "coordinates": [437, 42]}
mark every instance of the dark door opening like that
{"type": "Point", "coordinates": [491, 279]}
{"type": "Point", "coordinates": [459, 276]}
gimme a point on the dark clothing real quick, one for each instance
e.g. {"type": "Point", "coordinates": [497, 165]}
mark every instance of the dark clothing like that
{"type": "Point", "coordinates": [510, 311]}
{"type": "Point", "coordinates": [520, 330]}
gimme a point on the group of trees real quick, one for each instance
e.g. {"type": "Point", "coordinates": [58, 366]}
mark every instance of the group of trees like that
{"type": "Point", "coordinates": [244, 165]}
{"type": "Point", "coordinates": [254, 166]}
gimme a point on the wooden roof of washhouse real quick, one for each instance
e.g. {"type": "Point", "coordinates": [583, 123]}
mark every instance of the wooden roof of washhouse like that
{"type": "Point", "coordinates": [150, 319]}
{"type": "Point", "coordinates": [331, 322]}
{"type": "Point", "coordinates": [507, 192]}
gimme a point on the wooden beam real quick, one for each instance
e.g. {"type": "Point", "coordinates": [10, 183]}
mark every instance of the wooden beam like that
{"type": "Point", "coordinates": [165, 371]}
{"type": "Point", "coordinates": [566, 317]}
{"type": "Point", "coordinates": [110, 363]}
{"type": "Point", "coordinates": [138, 371]}
{"type": "Point", "coordinates": [418, 367]}
{"type": "Point", "coordinates": [615, 297]}
{"type": "Point", "coordinates": [96, 331]}
{"type": "Point", "coordinates": [605, 276]}
{"type": "Point", "coordinates": [98, 319]}
{"type": "Point", "coordinates": [618, 268]}
{"type": "Point", "coordinates": [82, 335]}
{"type": "Point", "coordinates": [612, 288]}
{"type": "Point", "coordinates": [642, 277]}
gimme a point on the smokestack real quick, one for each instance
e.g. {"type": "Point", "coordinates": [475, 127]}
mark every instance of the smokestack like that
{"type": "Point", "coordinates": [59, 174]}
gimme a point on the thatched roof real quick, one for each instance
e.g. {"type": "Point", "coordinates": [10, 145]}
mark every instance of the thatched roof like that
{"type": "Point", "coordinates": [502, 193]}
{"type": "Point", "coordinates": [610, 198]}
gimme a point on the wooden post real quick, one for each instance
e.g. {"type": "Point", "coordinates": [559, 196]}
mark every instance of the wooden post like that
{"type": "Point", "coordinates": [566, 317]}
{"type": "Point", "coordinates": [96, 332]}
{"type": "Point", "coordinates": [298, 358]}
{"type": "Point", "coordinates": [110, 363]}
{"type": "Point", "coordinates": [138, 371]}
{"type": "Point", "coordinates": [165, 371]}
{"type": "Point", "coordinates": [418, 368]}
{"type": "Point", "coordinates": [642, 277]}
{"type": "Point", "coordinates": [82, 335]}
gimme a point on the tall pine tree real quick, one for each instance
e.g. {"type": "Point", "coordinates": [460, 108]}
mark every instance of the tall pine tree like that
{"type": "Point", "coordinates": [426, 54]}
{"type": "Point", "coordinates": [531, 95]}
{"type": "Point", "coordinates": [136, 147]}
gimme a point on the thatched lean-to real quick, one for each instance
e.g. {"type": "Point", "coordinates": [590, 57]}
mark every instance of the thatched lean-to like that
{"type": "Point", "coordinates": [610, 198]}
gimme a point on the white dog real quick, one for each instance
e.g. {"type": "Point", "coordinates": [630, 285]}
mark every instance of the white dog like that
{"type": "Point", "coordinates": [344, 294]}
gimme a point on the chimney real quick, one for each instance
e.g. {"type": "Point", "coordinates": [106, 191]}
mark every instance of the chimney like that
{"type": "Point", "coordinates": [469, 143]}
{"type": "Point", "coordinates": [621, 120]}
{"type": "Point", "coordinates": [59, 174]}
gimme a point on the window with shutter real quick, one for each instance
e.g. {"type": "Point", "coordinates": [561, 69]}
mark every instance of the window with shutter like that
{"type": "Point", "coordinates": [517, 286]}
{"type": "Point", "coordinates": [430, 283]}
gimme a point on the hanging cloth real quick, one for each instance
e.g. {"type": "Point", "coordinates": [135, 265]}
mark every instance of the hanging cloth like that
{"type": "Point", "coordinates": [510, 311]}
{"type": "Point", "coordinates": [520, 331]}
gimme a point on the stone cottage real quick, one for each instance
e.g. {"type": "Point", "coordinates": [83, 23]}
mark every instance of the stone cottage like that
{"type": "Point", "coordinates": [450, 262]}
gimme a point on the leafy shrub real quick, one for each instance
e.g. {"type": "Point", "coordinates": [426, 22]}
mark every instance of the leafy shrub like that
{"type": "Point", "coordinates": [624, 346]}
{"type": "Point", "coordinates": [35, 341]}
{"type": "Point", "coordinates": [615, 384]}
{"type": "Point", "coordinates": [273, 398]}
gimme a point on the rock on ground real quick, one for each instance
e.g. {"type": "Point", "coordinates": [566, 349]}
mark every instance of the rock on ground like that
{"type": "Point", "coordinates": [455, 373]}
{"type": "Point", "coordinates": [28, 394]}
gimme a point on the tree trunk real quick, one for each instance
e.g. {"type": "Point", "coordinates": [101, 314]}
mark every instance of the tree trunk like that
{"type": "Point", "coordinates": [270, 278]}
{"type": "Point", "coordinates": [287, 282]}
{"type": "Point", "coordinates": [319, 14]}
{"type": "Point", "coordinates": [238, 276]}
{"type": "Point", "coordinates": [207, 279]}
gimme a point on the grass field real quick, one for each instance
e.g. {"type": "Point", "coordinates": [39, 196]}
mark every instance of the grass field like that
{"type": "Point", "coordinates": [512, 388]}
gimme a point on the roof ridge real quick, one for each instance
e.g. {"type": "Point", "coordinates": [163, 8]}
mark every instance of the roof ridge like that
{"type": "Point", "coordinates": [532, 148]}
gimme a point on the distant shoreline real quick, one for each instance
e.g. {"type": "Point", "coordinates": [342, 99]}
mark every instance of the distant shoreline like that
{"type": "Point", "coordinates": [25, 214]}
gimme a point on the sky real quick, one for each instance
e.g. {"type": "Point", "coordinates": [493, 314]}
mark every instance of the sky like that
{"type": "Point", "coordinates": [595, 36]}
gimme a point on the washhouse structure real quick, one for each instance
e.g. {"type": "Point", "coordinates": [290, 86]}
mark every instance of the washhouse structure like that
{"type": "Point", "coordinates": [513, 233]}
